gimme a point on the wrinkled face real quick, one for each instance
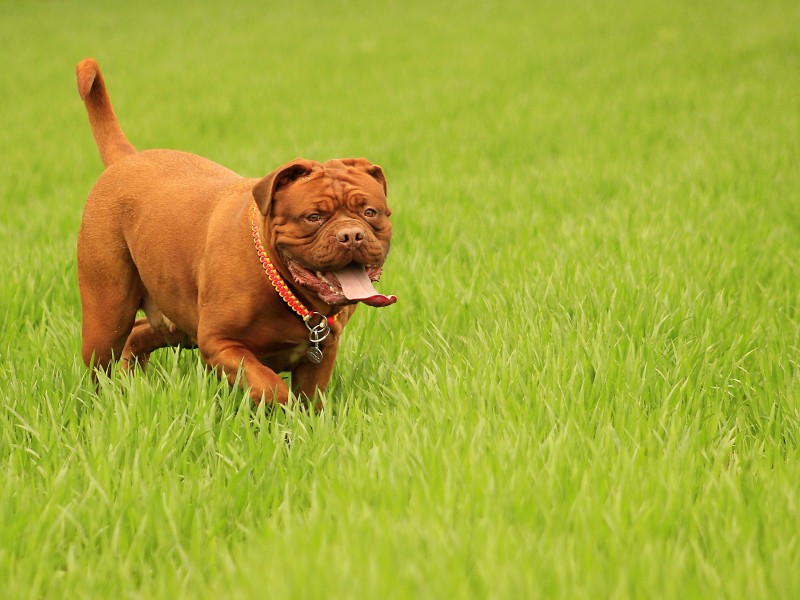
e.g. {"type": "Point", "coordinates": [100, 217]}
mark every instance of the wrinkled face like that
{"type": "Point", "coordinates": [331, 229]}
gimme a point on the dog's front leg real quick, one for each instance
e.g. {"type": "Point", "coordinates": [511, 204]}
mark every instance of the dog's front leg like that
{"type": "Point", "coordinates": [227, 356]}
{"type": "Point", "coordinates": [309, 380]}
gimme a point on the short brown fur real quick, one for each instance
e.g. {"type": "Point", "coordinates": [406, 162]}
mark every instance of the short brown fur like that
{"type": "Point", "coordinates": [169, 233]}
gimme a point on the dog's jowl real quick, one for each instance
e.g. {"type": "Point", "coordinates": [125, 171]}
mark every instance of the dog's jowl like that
{"type": "Point", "coordinates": [260, 274]}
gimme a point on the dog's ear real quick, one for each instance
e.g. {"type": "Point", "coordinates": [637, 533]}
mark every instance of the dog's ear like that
{"type": "Point", "coordinates": [362, 164]}
{"type": "Point", "coordinates": [264, 191]}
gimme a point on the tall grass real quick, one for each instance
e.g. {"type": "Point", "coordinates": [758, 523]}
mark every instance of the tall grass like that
{"type": "Point", "coordinates": [590, 385]}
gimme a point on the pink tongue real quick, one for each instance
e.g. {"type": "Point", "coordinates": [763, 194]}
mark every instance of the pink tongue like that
{"type": "Point", "coordinates": [356, 285]}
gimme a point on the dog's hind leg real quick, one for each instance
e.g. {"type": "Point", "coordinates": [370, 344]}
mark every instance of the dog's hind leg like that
{"type": "Point", "coordinates": [105, 327]}
{"type": "Point", "coordinates": [144, 338]}
{"type": "Point", "coordinates": [111, 293]}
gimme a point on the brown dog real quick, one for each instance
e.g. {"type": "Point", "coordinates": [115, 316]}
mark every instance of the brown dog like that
{"type": "Point", "coordinates": [260, 274]}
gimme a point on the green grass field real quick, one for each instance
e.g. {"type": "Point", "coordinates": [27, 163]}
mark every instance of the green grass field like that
{"type": "Point", "coordinates": [590, 384]}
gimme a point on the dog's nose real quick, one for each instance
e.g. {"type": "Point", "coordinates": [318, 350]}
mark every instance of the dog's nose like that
{"type": "Point", "coordinates": [350, 236]}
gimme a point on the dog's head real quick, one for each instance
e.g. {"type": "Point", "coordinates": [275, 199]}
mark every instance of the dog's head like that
{"type": "Point", "coordinates": [329, 224]}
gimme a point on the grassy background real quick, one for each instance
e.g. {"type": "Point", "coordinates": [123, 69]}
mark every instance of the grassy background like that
{"type": "Point", "coordinates": [590, 386]}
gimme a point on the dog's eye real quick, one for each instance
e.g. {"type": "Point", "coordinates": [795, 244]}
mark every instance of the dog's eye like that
{"type": "Point", "coordinates": [370, 212]}
{"type": "Point", "coordinates": [313, 218]}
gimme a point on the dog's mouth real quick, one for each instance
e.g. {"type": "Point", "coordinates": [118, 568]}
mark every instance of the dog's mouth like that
{"type": "Point", "coordinates": [350, 284]}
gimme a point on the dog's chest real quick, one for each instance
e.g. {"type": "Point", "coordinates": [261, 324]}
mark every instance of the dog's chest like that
{"type": "Point", "coordinates": [287, 359]}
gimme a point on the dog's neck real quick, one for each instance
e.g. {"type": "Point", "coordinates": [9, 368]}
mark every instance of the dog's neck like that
{"type": "Point", "coordinates": [299, 301]}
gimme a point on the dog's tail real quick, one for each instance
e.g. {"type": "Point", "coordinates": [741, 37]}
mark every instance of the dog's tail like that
{"type": "Point", "coordinates": [111, 141]}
